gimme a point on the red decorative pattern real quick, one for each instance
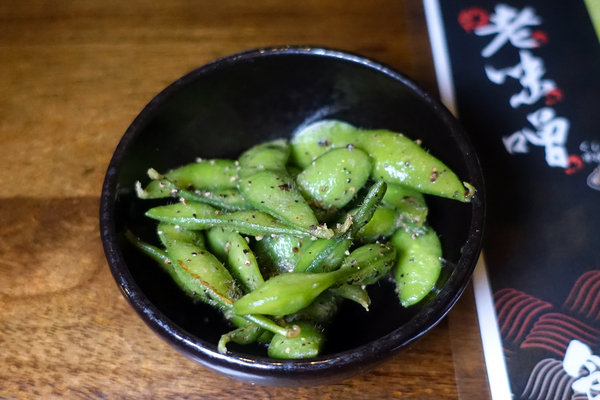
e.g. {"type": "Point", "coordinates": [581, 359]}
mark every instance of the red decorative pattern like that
{"type": "Point", "coordinates": [473, 18]}
{"type": "Point", "coordinates": [554, 332]}
{"type": "Point", "coordinates": [584, 298]}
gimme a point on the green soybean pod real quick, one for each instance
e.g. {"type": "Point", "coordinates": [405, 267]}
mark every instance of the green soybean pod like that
{"type": "Point", "coordinates": [314, 139]}
{"type": "Point", "coordinates": [281, 251]}
{"type": "Point", "coordinates": [204, 174]}
{"type": "Point", "coordinates": [307, 344]}
{"type": "Point", "coordinates": [275, 193]}
{"type": "Point", "coordinates": [204, 267]}
{"type": "Point", "coordinates": [418, 266]}
{"type": "Point", "coordinates": [369, 263]}
{"type": "Point", "coordinates": [231, 248]}
{"type": "Point", "coordinates": [355, 293]}
{"type": "Point", "coordinates": [288, 293]}
{"type": "Point", "coordinates": [247, 334]}
{"type": "Point", "coordinates": [199, 289]}
{"type": "Point", "coordinates": [198, 216]}
{"type": "Point", "coordinates": [169, 233]}
{"type": "Point", "coordinates": [272, 155]}
{"type": "Point", "coordinates": [227, 199]}
{"type": "Point", "coordinates": [410, 204]}
{"type": "Point", "coordinates": [335, 177]}
{"type": "Point", "coordinates": [322, 309]}
{"type": "Point", "coordinates": [369, 205]}
{"type": "Point", "coordinates": [399, 159]}
{"type": "Point", "coordinates": [324, 255]}
{"type": "Point", "coordinates": [162, 259]}
{"type": "Point", "coordinates": [383, 223]}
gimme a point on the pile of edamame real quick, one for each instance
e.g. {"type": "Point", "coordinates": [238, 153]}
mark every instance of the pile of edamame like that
{"type": "Point", "coordinates": [278, 238]}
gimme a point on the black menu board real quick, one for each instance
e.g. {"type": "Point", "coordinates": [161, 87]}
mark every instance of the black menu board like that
{"type": "Point", "coordinates": [523, 77]}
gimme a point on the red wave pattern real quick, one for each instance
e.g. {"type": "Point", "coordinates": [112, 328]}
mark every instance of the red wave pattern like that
{"type": "Point", "coordinates": [548, 380]}
{"type": "Point", "coordinates": [516, 313]}
{"type": "Point", "coordinates": [584, 298]}
{"type": "Point", "coordinates": [554, 332]}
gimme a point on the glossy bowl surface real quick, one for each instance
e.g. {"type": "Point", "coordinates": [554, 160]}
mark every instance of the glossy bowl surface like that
{"type": "Point", "coordinates": [224, 107]}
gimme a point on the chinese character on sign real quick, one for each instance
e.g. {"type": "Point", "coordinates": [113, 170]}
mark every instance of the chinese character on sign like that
{"type": "Point", "coordinates": [580, 363]}
{"type": "Point", "coordinates": [550, 132]}
{"type": "Point", "coordinates": [529, 72]}
{"type": "Point", "coordinates": [510, 25]}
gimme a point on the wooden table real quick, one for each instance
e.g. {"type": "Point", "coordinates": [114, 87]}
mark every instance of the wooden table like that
{"type": "Point", "coordinates": [73, 76]}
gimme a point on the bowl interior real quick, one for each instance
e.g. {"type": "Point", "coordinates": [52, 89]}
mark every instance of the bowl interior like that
{"type": "Point", "coordinates": [225, 107]}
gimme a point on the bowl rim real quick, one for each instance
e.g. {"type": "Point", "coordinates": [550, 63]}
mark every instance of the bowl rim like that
{"type": "Point", "coordinates": [370, 353]}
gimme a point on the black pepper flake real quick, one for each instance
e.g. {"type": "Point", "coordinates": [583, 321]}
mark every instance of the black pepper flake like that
{"type": "Point", "coordinates": [246, 251]}
{"type": "Point", "coordinates": [433, 175]}
{"type": "Point", "coordinates": [324, 142]}
{"type": "Point", "coordinates": [285, 187]}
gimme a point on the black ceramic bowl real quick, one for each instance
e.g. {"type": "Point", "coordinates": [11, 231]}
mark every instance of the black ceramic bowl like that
{"type": "Point", "coordinates": [221, 109]}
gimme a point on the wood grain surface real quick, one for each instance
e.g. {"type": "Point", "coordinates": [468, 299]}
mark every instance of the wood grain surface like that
{"type": "Point", "coordinates": [73, 76]}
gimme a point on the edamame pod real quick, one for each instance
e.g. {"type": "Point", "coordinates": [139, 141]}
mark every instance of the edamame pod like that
{"type": "Point", "coordinates": [281, 251]}
{"type": "Point", "coordinates": [198, 216]}
{"type": "Point", "coordinates": [242, 335]}
{"type": "Point", "coordinates": [409, 203]}
{"type": "Point", "coordinates": [201, 290]}
{"type": "Point", "coordinates": [275, 194]}
{"type": "Point", "coordinates": [324, 255]}
{"type": "Point", "coordinates": [383, 223]}
{"type": "Point", "coordinates": [306, 345]}
{"type": "Point", "coordinates": [311, 141]}
{"type": "Point", "coordinates": [162, 259]}
{"type": "Point", "coordinates": [265, 184]}
{"type": "Point", "coordinates": [335, 177]}
{"type": "Point", "coordinates": [396, 158]}
{"type": "Point", "coordinates": [399, 159]}
{"type": "Point", "coordinates": [227, 199]}
{"type": "Point", "coordinates": [233, 249]}
{"type": "Point", "coordinates": [418, 265]}
{"type": "Point", "coordinates": [357, 294]}
{"type": "Point", "coordinates": [168, 233]}
{"type": "Point", "coordinates": [369, 263]}
{"type": "Point", "coordinates": [272, 155]}
{"type": "Point", "coordinates": [204, 267]}
{"type": "Point", "coordinates": [204, 174]}
{"type": "Point", "coordinates": [288, 293]}
{"type": "Point", "coordinates": [321, 310]}
{"type": "Point", "coordinates": [365, 212]}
